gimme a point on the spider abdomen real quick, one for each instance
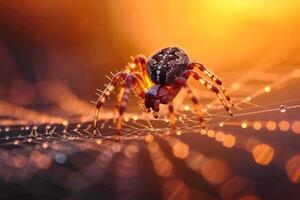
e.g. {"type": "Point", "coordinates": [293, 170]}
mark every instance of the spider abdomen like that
{"type": "Point", "coordinates": [166, 65]}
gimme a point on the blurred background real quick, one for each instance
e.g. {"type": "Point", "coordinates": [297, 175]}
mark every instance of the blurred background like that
{"type": "Point", "coordinates": [55, 53]}
{"type": "Point", "coordinates": [77, 42]}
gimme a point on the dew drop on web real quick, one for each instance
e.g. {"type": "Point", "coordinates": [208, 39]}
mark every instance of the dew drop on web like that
{"type": "Point", "coordinates": [283, 108]}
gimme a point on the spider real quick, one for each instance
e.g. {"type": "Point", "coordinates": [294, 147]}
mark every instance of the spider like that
{"type": "Point", "coordinates": [158, 80]}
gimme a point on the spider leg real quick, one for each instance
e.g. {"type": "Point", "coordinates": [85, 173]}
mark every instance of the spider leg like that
{"type": "Point", "coordinates": [183, 82]}
{"type": "Point", "coordinates": [141, 89]}
{"type": "Point", "coordinates": [209, 86]}
{"type": "Point", "coordinates": [119, 98]}
{"type": "Point", "coordinates": [172, 116]}
{"type": "Point", "coordinates": [104, 95]}
{"type": "Point", "coordinates": [213, 77]}
{"type": "Point", "coordinates": [140, 61]}
{"type": "Point", "coordinates": [130, 80]}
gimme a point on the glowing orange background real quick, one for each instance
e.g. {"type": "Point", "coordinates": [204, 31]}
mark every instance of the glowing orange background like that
{"type": "Point", "coordinates": [77, 42]}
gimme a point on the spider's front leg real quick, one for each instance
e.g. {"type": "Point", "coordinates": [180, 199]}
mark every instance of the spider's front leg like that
{"type": "Point", "coordinates": [217, 82]}
{"type": "Point", "coordinates": [210, 86]}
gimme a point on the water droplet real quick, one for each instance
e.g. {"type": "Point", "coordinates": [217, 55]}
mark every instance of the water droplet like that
{"type": "Point", "coordinates": [283, 108]}
{"type": "Point", "coordinates": [16, 142]}
{"type": "Point", "coordinates": [60, 158]}
{"type": "Point", "coordinates": [178, 132]}
{"type": "Point", "coordinates": [267, 89]}
{"type": "Point", "coordinates": [244, 124]}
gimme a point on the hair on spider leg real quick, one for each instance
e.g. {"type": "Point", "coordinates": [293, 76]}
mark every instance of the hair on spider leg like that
{"type": "Point", "coordinates": [109, 78]}
{"type": "Point", "coordinates": [132, 58]}
{"type": "Point", "coordinates": [98, 94]}
{"type": "Point", "coordinates": [116, 71]}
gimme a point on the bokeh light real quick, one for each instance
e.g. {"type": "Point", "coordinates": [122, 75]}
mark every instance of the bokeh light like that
{"type": "Point", "coordinates": [229, 141]}
{"type": "Point", "coordinates": [215, 171]}
{"type": "Point", "coordinates": [296, 127]}
{"type": "Point", "coordinates": [180, 150]}
{"type": "Point", "coordinates": [263, 154]}
{"type": "Point", "coordinates": [293, 168]}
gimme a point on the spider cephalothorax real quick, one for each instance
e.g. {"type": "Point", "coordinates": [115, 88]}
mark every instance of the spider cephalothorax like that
{"type": "Point", "coordinates": [158, 81]}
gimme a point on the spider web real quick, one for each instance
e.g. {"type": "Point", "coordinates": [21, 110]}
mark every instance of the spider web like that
{"type": "Point", "coordinates": [264, 128]}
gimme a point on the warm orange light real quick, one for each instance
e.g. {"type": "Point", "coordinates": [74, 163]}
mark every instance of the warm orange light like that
{"type": "Point", "coordinates": [135, 118]}
{"type": "Point", "coordinates": [178, 132]}
{"type": "Point", "coordinates": [296, 127]}
{"type": "Point", "coordinates": [271, 125]}
{"type": "Point", "coordinates": [267, 89]}
{"type": "Point", "coordinates": [116, 147]}
{"type": "Point", "coordinates": [235, 86]}
{"type": "Point", "coordinates": [45, 145]}
{"type": "Point", "coordinates": [257, 125]}
{"type": "Point", "coordinates": [195, 160]}
{"type": "Point", "coordinates": [149, 138]}
{"type": "Point", "coordinates": [99, 141]}
{"type": "Point", "coordinates": [263, 154]}
{"type": "Point", "coordinates": [180, 150]}
{"type": "Point", "coordinates": [19, 161]}
{"type": "Point", "coordinates": [131, 150]}
{"type": "Point", "coordinates": [250, 144]}
{"type": "Point", "coordinates": [292, 168]}
{"type": "Point", "coordinates": [229, 141]}
{"type": "Point", "coordinates": [244, 125]}
{"type": "Point", "coordinates": [175, 189]}
{"type": "Point", "coordinates": [211, 133]}
{"type": "Point", "coordinates": [163, 167]}
{"type": "Point", "coordinates": [235, 186]}
{"type": "Point", "coordinates": [215, 171]}
{"type": "Point", "coordinates": [65, 123]}
{"type": "Point", "coordinates": [220, 136]}
{"type": "Point", "coordinates": [186, 108]}
{"type": "Point", "coordinates": [203, 132]}
{"type": "Point", "coordinates": [284, 126]}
